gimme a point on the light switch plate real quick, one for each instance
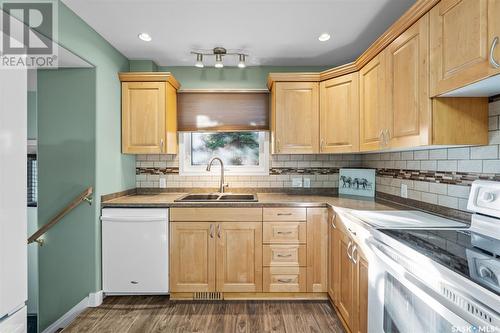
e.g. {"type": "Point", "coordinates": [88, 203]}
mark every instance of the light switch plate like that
{"type": "Point", "coordinates": [297, 182]}
{"type": "Point", "coordinates": [163, 182]}
{"type": "Point", "coordinates": [404, 191]}
{"type": "Point", "coordinates": [307, 182]}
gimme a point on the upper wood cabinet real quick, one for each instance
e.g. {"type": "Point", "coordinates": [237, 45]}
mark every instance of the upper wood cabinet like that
{"type": "Point", "coordinates": [149, 113]}
{"type": "Point", "coordinates": [339, 114]}
{"type": "Point", "coordinates": [372, 103]}
{"type": "Point", "coordinates": [462, 34]}
{"type": "Point", "coordinates": [408, 104]}
{"type": "Point", "coordinates": [295, 117]}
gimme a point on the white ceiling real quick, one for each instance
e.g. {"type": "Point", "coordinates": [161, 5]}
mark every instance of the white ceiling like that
{"type": "Point", "coordinates": [273, 32]}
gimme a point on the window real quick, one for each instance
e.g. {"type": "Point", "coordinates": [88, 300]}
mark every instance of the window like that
{"type": "Point", "coordinates": [32, 181]}
{"type": "Point", "coordinates": [243, 153]}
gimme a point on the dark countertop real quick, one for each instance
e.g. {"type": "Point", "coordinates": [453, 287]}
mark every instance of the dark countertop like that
{"type": "Point", "coordinates": [165, 200]}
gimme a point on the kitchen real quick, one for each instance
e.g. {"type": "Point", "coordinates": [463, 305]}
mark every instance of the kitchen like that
{"type": "Point", "coordinates": [338, 176]}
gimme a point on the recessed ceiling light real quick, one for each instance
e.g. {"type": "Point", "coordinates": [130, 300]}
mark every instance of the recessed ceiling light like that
{"type": "Point", "coordinates": [145, 37]}
{"type": "Point", "coordinates": [324, 37]}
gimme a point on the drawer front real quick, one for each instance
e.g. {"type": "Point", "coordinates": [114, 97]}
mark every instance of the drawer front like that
{"type": "Point", "coordinates": [285, 214]}
{"type": "Point", "coordinates": [284, 279]}
{"type": "Point", "coordinates": [284, 255]}
{"type": "Point", "coordinates": [216, 214]}
{"type": "Point", "coordinates": [285, 232]}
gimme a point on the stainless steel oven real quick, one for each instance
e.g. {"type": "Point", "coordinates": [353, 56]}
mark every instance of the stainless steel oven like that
{"type": "Point", "coordinates": [401, 302]}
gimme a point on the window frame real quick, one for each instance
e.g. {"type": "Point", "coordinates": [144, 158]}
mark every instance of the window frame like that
{"type": "Point", "coordinates": [187, 169]}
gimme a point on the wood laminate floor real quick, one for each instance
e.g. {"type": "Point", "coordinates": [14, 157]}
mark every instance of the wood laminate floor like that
{"type": "Point", "coordinates": [137, 314]}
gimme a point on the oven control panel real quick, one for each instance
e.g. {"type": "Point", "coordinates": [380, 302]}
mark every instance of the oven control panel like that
{"type": "Point", "coordinates": [484, 198]}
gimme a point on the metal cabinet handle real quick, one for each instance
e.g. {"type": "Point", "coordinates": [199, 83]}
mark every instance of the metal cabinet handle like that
{"type": "Point", "coordinates": [333, 221]}
{"type": "Point", "coordinates": [322, 145]}
{"type": "Point", "coordinates": [353, 256]}
{"type": "Point", "coordinates": [284, 232]}
{"type": "Point", "coordinates": [134, 282]}
{"type": "Point", "coordinates": [352, 232]}
{"type": "Point", "coordinates": [387, 136]}
{"type": "Point", "coordinates": [283, 255]}
{"type": "Point", "coordinates": [349, 250]}
{"type": "Point", "coordinates": [161, 145]}
{"type": "Point", "coordinates": [218, 230]}
{"type": "Point", "coordinates": [285, 280]}
{"type": "Point", "coordinates": [211, 231]}
{"type": "Point", "coordinates": [278, 145]}
{"type": "Point", "coordinates": [493, 62]}
{"type": "Point", "coordinates": [284, 214]}
{"type": "Point", "coordinates": [381, 137]}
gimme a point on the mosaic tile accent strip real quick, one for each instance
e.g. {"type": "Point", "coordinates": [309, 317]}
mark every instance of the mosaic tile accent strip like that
{"type": "Point", "coordinates": [462, 178]}
{"type": "Point", "coordinates": [272, 171]}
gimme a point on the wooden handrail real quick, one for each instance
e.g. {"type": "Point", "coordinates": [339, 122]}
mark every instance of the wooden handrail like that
{"type": "Point", "coordinates": [73, 204]}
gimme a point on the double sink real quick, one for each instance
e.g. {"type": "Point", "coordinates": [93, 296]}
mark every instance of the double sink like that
{"type": "Point", "coordinates": [217, 197]}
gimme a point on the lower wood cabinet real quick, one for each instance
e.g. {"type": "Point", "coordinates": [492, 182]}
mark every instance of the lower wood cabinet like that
{"type": "Point", "coordinates": [211, 256]}
{"type": "Point", "coordinates": [284, 279]}
{"type": "Point", "coordinates": [192, 257]}
{"type": "Point", "coordinates": [283, 250]}
{"type": "Point", "coordinates": [348, 277]}
{"type": "Point", "coordinates": [239, 257]}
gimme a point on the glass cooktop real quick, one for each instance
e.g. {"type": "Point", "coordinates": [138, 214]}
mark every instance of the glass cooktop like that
{"type": "Point", "coordinates": [472, 255]}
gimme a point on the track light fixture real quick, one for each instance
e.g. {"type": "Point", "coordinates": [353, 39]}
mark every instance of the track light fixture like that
{"type": "Point", "coordinates": [219, 53]}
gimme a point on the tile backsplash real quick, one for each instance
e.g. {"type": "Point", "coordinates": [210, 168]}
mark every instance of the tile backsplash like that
{"type": "Point", "coordinates": [322, 170]}
{"type": "Point", "coordinates": [435, 176]}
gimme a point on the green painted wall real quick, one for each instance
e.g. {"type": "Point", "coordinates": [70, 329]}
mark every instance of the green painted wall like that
{"type": "Point", "coordinates": [79, 146]}
{"type": "Point", "coordinates": [143, 66]}
{"type": "Point", "coordinates": [32, 131]}
{"type": "Point", "coordinates": [191, 77]}
{"type": "Point", "coordinates": [66, 166]}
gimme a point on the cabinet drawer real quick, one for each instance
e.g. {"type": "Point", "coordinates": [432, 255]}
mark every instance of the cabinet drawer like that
{"type": "Point", "coordinates": [284, 232]}
{"type": "Point", "coordinates": [284, 255]}
{"type": "Point", "coordinates": [216, 214]}
{"type": "Point", "coordinates": [284, 279]}
{"type": "Point", "coordinates": [284, 214]}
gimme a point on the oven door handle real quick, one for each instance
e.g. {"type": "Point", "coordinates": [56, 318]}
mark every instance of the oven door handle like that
{"type": "Point", "coordinates": [421, 288]}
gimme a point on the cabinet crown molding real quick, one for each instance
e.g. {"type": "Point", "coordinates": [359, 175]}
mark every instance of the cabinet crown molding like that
{"type": "Point", "coordinates": [149, 77]}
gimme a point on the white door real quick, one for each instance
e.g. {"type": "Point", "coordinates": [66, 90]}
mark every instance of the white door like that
{"type": "Point", "coordinates": [13, 221]}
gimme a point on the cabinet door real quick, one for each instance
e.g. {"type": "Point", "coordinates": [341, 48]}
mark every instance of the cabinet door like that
{"type": "Point", "coordinates": [408, 102]}
{"type": "Point", "coordinates": [192, 256]}
{"type": "Point", "coordinates": [461, 33]}
{"type": "Point", "coordinates": [344, 276]}
{"type": "Point", "coordinates": [372, 103]}
{"type": "Point", "coordinates": [143, 117]}
{"type": "Point", "coordinates": [361, 293]}
{"type": "Point", "coordinates": [239, 257]}
{"type": "Point", "coordinates": [296, 117]}
{"type": "Point", "coordinates": [339, 114]}
{"type": "Point", "coordinates": [317, 249]}
{"type": "Point", "coordinates": [331, 256]}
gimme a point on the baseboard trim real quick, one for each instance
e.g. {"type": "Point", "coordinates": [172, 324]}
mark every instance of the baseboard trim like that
{"type": "Point", "coordinates": [92, 300]}
{"type": "Point", "coordinates": [95, 299]}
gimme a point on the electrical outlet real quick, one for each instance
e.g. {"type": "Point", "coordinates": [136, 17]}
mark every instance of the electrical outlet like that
{"type": "Point", "coordinates": [307, 182]}
{"type": "Point", "coordinates": [404, 191]}
{"type": "Point", "coordinates": [297, 182]}
{"type": "Point", "coordinates": [163, 182]}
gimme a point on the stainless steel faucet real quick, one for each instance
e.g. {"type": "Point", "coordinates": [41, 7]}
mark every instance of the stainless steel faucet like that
{"type": "Point", "coordinates": [209, 165]}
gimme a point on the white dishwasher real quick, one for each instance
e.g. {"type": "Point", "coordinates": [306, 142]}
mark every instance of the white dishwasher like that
{"type": "Point", "coordinates": [135, 251]}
